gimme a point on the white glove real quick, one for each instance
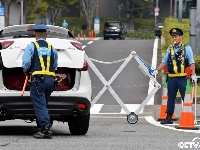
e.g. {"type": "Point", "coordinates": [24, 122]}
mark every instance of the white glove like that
{"type": "Point", "coordinates": [155, 72]}
{"type": "Point", "coordinates": [194, 78]}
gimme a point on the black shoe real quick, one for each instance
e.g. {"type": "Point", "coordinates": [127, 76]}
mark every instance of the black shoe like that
{"type": "Point", "coordinates": [43, 135]}
{"type": "Point", "coordinates": [168, 120]}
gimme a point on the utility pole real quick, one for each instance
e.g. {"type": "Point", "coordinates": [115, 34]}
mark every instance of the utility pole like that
{"type": "Point", "coordinates": [180, 8]}
{"type": "Point", "coordinates": [120, 8]}
{"type": "Point", "coordinates": [170, 10]}
{"type": "Point", "coordinates": [175, 8]}
{"type": "Point", "coordinates": [22, 13]}
{"type": "Point", "coordinates": [97, 8]}
{"type": "Point", "coordinates": [156, 12]}
{"type": "Point", "coordinates": [193, 29]}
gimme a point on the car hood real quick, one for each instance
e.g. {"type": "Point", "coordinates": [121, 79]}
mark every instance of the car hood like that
{"type": "Point", "coordinates": [68, 55]}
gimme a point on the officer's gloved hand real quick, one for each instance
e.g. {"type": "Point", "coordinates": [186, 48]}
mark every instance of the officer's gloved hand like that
{"type": "Point", "coordinates": [194, 78]}
{"type": "Point", "coordinates": [155, 72]}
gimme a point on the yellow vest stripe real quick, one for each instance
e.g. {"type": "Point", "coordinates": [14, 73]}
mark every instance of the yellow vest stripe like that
{"type": "Point", "coordinates": [177, 75]}
{"type": "Point", "coordinates": [174, 61]}
{"type": "Point", "coordinates": [43, 72]}
{"type": "Point", "coordinates": [183, 59]}
{"type": "Point", "coordinates": [48, 58]}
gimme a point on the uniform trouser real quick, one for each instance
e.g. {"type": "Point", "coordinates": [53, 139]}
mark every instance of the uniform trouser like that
{"type": "Point", "coordinates": [175, 83]}
{"type": "Point", "coordinates": [40, 94]}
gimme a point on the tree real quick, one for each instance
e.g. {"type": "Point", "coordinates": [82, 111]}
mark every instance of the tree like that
{"type": "Point", "coordinates": [137, 8]}
{"type": "Point", "coordinates": [55, 7]}
{"type": "Point", "coordinates": [88, 7]}
{"type": "Point", "coordinates": [28, 6]}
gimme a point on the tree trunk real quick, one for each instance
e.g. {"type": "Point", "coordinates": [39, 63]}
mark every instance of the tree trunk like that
{"type": "Point", "coordinates": [88, 10]}
{"type": "Point", "coordinates": [7, 12]}
{"type": "Point", "coordinates": [37, 15]}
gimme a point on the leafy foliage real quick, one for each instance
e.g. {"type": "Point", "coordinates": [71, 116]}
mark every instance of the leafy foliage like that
{"type": "Point", "coordinates": [141, 34]}
{"type": "Point", "coordinates": [138, 8]}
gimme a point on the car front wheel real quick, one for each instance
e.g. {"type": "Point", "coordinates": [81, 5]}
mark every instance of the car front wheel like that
{"type": "Point", "coordinates": [79, 125]}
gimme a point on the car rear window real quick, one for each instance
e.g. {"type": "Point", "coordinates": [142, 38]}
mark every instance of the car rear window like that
{"type": "Point", "coordinates": [25, 31]}
{"type": "Point", "coordinates": [111, 24]}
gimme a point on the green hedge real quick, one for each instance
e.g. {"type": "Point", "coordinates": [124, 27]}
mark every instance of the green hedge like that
{"type": "Point", "coordinates": [141, 34]}
{"type": "Point", "coordinates": [170, 23]}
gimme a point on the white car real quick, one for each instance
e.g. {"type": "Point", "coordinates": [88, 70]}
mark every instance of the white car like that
{"type": "Point", "coordinates": [71, 100]}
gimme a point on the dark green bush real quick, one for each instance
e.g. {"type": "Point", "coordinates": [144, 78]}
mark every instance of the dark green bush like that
{"type": "Point", "coordinates": [144, 24]}
{"type": "Point", "coordinates": [141, 34]}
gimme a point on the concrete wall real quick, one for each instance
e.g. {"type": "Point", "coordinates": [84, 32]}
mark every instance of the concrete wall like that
{"type": "Point", "coordinates": [14, 18]}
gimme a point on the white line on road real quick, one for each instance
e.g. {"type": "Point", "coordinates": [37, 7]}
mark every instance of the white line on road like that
{"type": "Point", "coordinates": [152, 121]}
{"type": "Point", "coordinates": [90, 42]}
{"type": "Point", "coordinates": [153, 64]}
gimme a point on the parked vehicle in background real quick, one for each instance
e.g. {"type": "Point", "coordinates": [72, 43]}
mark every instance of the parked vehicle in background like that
{"type": "Point", "coordinates": [71, 100]}
{"type": "Point", "coordinates": [158, 29]}
{"type": "Point", "coordinates": [113, 29]}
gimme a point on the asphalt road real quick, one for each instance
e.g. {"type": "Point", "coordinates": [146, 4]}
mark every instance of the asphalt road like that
{"type": "Point", "coordinates": [105, 133]}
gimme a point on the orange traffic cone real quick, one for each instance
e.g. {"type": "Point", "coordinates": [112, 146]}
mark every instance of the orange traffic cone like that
{"type": "Point", "coordinates": [187, 117]}
{"type": "Point", "coordinates": [163, 108]}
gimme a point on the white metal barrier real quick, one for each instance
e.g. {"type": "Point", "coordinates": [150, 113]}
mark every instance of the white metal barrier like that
{"type": "Point", "coordinates": [146, 69]}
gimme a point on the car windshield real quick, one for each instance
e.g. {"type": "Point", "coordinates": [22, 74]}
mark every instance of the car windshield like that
{"type": "Point", "coordinates": [159, 24]}
{"type": "Point", "coordinates": [113, 24]}
{"type": "Point", "coordinates": [26, 31]}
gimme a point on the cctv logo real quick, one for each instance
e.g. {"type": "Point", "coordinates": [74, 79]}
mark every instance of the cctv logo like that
{"type": "Point", "coordinates": [191, 144]}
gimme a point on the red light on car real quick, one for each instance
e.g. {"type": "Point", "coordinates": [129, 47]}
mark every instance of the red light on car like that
{"type": "Point", "coordinates": [85, 66]}
{"type": "Point", "coordinates": [5, 44]}
{"type": "Point", "coordinates": [81, 106]}
{"type": "Point", "coordinates": [77, 45]}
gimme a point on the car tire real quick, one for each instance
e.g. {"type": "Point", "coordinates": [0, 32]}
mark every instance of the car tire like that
{"type": "Point", "coordinates": [79, 125]}
{"type": "Point", "coordinates": [105, 38]}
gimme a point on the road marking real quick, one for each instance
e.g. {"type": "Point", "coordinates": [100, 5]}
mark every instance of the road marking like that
{"type": "Point", "coordinates": [152, 121]}
{"type": "Point", "coordinates": [96, 108]}
{"type": "Point", "coordinates": [153, 64]}
{"type": "Point", "coordinates": [90, 42]}
{"type": "Point", "coordinates": [131, 107]}
{"type": "Point", "coordinates": [114, 117]}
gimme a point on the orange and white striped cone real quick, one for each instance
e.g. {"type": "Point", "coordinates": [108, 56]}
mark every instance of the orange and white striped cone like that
{"type": "Point", "coordinates": [187, 116]}
{"type": "Point", "coordinates": [163, 108]}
